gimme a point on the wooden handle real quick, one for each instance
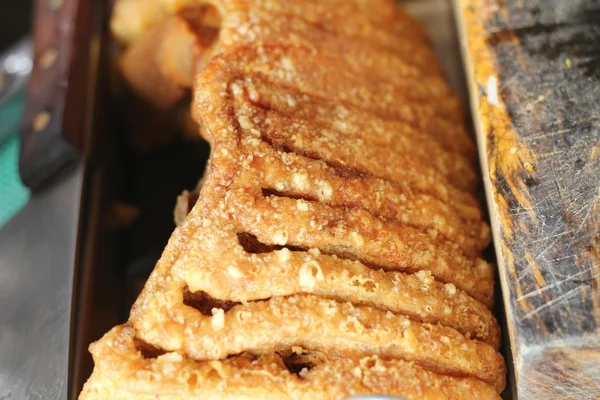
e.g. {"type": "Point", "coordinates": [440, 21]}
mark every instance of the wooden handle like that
{"type": "Point", "coordinates": [55, 111]}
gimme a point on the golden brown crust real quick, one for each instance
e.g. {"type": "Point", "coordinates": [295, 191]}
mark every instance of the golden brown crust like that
{"type": "Point", "coordinates": [327, 326]}
{"type": "Point", "coordinates": [417, 203]}
{"type": "Point", "coordinates": [268, 272]}
{"type": "Point", "coordinates": [358, 235]}
{"type": "Point", "coordinates": [352, 120]}
{"type": "Point", "coordinates": [302, 70]}
{"type": "Point", "coordinates": [337, 229]}
{"type": "Point", "coordinates": [251, 276]}
{"type": "Point", "coordinates": [223, 78]}
{"type": "Point", "coordinates": [284, 272]}
{"type": "Point", "coordinates": [403, 159]}
{"type": "Point", "coordinates": [164, 317]}
{"type": "Point", "coordinates": [122, 372]}
{"type": "Point", "coordinates": [189, 37]}
{"type": "Point", "coordinates": [238, 144]}
{"type": "Point", "coordinates": [379, 22]}
{"type": "Point", "coordinates": [298, 176]}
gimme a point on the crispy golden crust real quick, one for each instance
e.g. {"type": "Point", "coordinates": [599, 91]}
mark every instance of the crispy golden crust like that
{"type": "Point", "coordinates": [122, 372]}
{"type": "Point", "coordinates": [239, 147]}
{"type": "Point", "coordinates": [223, 78]}
{"type": "Point", "coordinates": [413, 203]}
{"type": "Point", "coordinates": [378, 22]}
{"type": "Point", "coordinates": [298, 25]}
{"type": "Point", "coordinates": [301, 69]}
{"type": "Point", "coordinates": [164, 317]}
{"type": "Point", "coordinates": [252, 276]}
{"type": "Point", "coordinates": [298, 176]}
{"type": "Point", "coordinates": [327, 326]}
{"type": "Point", "coordinates": [352, 120]}
{"type": "Point", "coordinates": [404, 158]}
{"type": "Point", "coordinates": [306, 24]}
{"type": "Point", "coordinates": [358, 235]}
{"type": "Point", "coordinates": [263, 272]}
{"type": "Point", "coordinates": [284, 272]}
{"type": "Point", "coordinates": [337, 233]}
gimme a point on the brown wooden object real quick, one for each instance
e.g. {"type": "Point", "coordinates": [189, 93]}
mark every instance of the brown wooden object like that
{"type": "Point", "coordinates": [534, 71]}
{"type": "Point", "coordinates": [58, 88]}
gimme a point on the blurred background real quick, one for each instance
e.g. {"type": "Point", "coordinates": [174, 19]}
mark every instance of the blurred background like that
{"type": "Point", "coordinates": [15, 21]}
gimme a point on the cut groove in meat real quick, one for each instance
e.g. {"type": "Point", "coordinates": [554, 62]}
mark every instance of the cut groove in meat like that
{"type": "Point", "coordinates": [289, 195]}
{"type": "Point", "coordinates": [299, 361]}
{"type": "Point", "coordinates": [440, 190]}
{"type": "Point", "coordinates": [253, 246]}
{"type": "Point", "coordinates": [334, 230]}
{"type": "Point", "coordinates": [147, 350]}
{"type": "Point", "coordinates": [204, 303]}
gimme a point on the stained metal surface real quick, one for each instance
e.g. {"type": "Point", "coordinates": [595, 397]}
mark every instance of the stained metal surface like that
{"type": "Point", "coordinates": [37, 263]}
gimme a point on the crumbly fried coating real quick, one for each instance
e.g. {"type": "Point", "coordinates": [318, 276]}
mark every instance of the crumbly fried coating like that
{"type": "Point", "coordinates": [404, 158]}
{"type": "Point", "coordinates": [283, 272]}
{"type": "Point", "coordinates": [335, 246]}
{"type": "Point", "coordinates": [123, 372]}
{"type": "Point", "coordinates": [263, 270]}
{"type": "Point", "coordinates": [240, 146]}
{"type": "Point", "coordinates": [164, 317]}
{"type": "Point", "coordinates": [378, 22]}
{"type": "Point", "coordinates": [336, 329]}
{"type": "Point", "coordinates": [168, 315]}
{"type": "Point", "coordinates": [358, 235]}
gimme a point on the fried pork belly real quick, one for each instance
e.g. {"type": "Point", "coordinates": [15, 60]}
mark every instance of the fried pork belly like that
{"type": "Point", "coordinates": [127, 369]}
{"type": "Point", "coordinates": [161, 65]}
{"type": "Point", "coordinates": [334, 247]}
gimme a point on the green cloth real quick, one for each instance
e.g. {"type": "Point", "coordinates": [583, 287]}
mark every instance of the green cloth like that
{"type": "Point", "coordinates": [13, 195]}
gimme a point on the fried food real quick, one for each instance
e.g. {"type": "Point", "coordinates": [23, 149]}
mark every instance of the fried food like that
{"type": "Point", "coordinates": [335, 244]}
{"type": "Point", "coordinates": [277, 266]}
{"type": "Point", "coordinates": [125, 371]}
{"type": "Point", "coordinates": [358, 235]}
{"type": "Point", "coordinates": [336, 329]}
{"type": "Point", "coordinates": [285, 272]}
{"type": "Point", "coordinates": [158, 71]}
{"type": "Point", "coordinates": [325, 227]}
{"type": "Point", "coordinates": [170, 315]}
{"type": "Point", "coordinates": [142, 70]}
{"type": "Point", "coordinates": [376, 21]}
{"type": "Point", "coordinates": [185, 203]}
{"type": "Point", "coordinates": [190, 40]}
{"type": "Point", "coordinates": [161, 65]}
